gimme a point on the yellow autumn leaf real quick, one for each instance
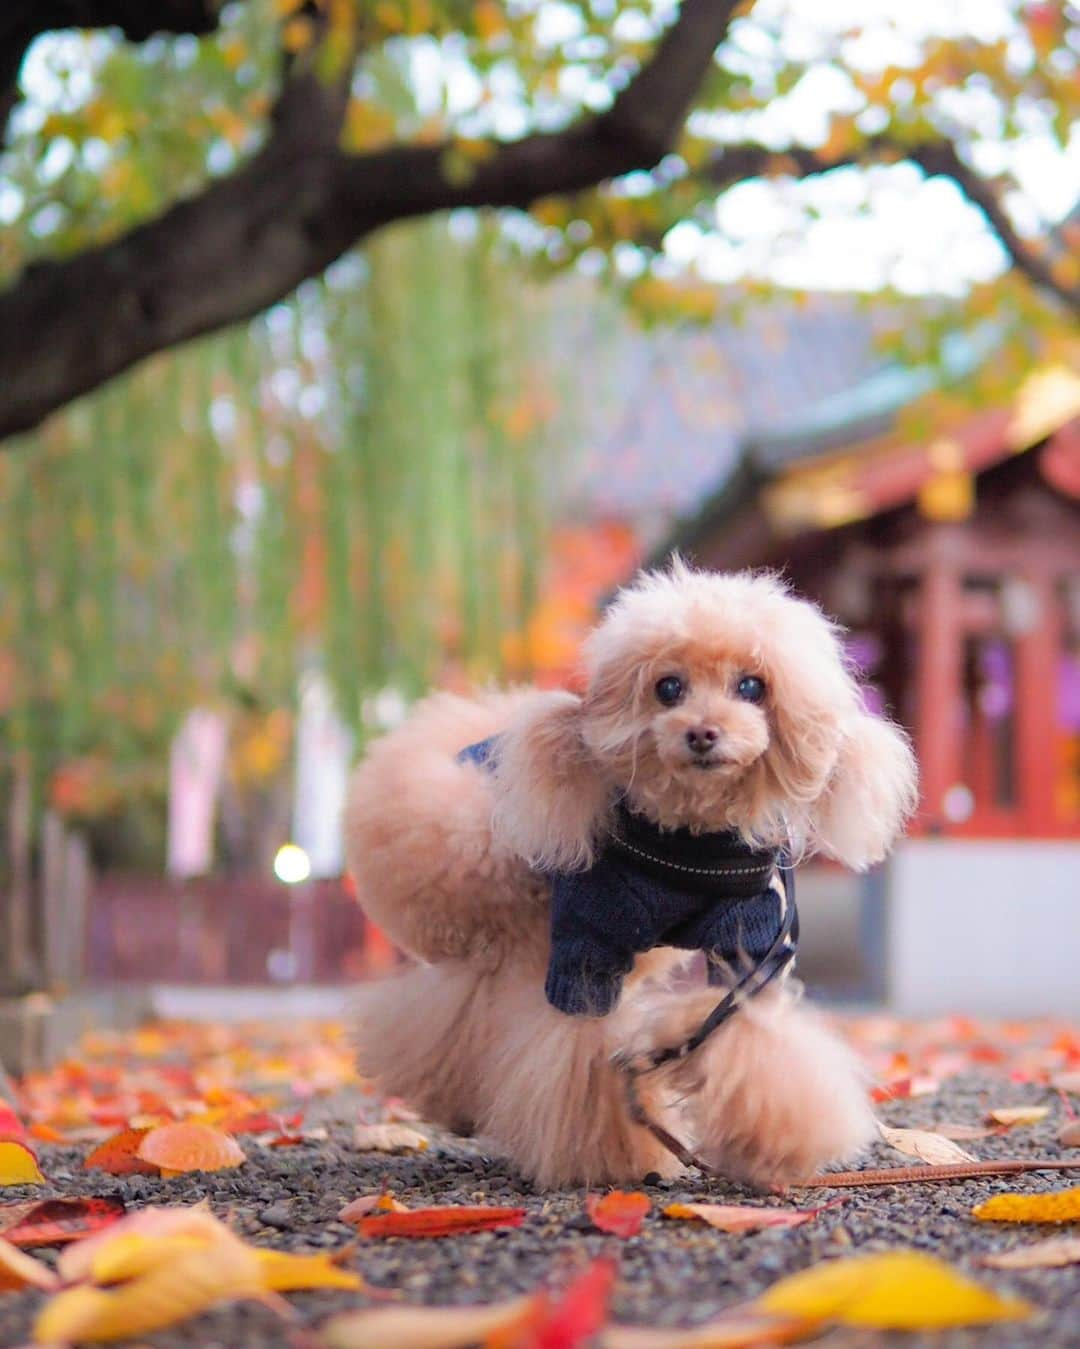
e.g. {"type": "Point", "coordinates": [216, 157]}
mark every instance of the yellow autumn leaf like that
{"type": "Point", "coordinates": [131, 1255]}
{"type": "Point", "coordinates": [80, 1260]}
{"type": "Point", "coordinates": [1056, 1206]}
{"type": "Point", "coordinates": [898, 1290]}
{"type": "Point", "coordinates": [1018, 1114]}
{"type": "Point", "coordinates": [19, 1270]}
{"type": "Point", "coordinates": [18, 1165]}
{"type": "Point", "coordinates": [286, 1273]}
{"type": "Point", "coordinates": [180, 1288]}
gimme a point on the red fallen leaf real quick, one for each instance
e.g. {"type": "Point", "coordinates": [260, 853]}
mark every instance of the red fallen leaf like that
{"type": "Point", "coordinates": [11, 1126]}
{"type": "Point", "coordinates": [118, 1155]}
{"type": "Point", "coordinates": [904, 1088]}
{"type": "Point", "coordinates": [620, 1213]}
{"type": "Point", "coordinates": [438, 1222]}
{"type": "Point", "coordinates": [574, 1318]}
{"type": "Point", "coordinates": [262, 1122]}
{"type": "Point", "coordinates": [52, 1222]}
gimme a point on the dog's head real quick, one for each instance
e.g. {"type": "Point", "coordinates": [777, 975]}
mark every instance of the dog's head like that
{"type": "Point", "coordinates": [714, 702]}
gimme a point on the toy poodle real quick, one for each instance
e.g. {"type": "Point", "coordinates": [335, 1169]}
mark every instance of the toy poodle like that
{"type": "Point", "coordinates": [552, 862]}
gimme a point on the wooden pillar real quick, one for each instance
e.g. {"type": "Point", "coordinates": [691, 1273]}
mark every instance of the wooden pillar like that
{"type": "Point", "coordinates": [938, 674]}
{"type": "Point", "coordinates": [1038, 654]}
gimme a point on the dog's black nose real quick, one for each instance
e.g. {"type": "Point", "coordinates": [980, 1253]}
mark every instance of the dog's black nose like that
{"type": "Point", "coordinates": [702, 738]}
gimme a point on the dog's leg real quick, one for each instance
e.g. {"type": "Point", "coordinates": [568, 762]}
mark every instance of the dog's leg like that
{"type": "Point", "coordinates": [772, 1096]}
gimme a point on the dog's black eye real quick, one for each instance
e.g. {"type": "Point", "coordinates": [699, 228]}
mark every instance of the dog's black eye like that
{"type": "Point", "coordinates": [750, 689]}
{"type": "Point", "coordinates": [670, 690]}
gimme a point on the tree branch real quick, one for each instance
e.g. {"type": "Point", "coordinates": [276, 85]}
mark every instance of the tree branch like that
{"type": "Point", "coordinates": [247, 241]}
{"type": "Point", "coordinates": [938, 158]}
{"type": "Point", "coordinates": [21, 21]}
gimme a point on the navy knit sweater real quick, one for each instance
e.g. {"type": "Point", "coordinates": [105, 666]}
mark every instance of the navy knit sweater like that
{"type": "Point", "coordinates": [652, 887]}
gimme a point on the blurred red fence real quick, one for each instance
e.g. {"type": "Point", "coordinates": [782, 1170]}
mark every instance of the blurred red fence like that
{"type": "Point", "coordinates": [227, 930]}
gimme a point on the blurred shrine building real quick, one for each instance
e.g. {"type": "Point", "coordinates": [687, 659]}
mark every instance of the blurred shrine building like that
{"type": "Point", "coordinates": [946, 538]}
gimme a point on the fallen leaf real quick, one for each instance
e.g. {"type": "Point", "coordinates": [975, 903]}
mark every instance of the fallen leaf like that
{"type": "Point", "coordinates": [905, 1088]}
{"type": "Point", "coordinates": [133, 1254]}
{"type": "Point", "coordinates": [1069, 1137]}
{"type": "Point", "coordinates": [574, 1317]}
{"type": "Point", "coordinates": [736, 1331]}
{"type": "Point", "coordinates": [620, 1213]}
{"type": "Point", "coordinates": [745, 1217]}
{"type": "Point", "coordinates": [188, 1283]}
{"type": "Point", "coordinates": [45, 1133]}
{"type": "Point", "coordinates": [919, 1175]}
{"type": "Point", "coordinates": [18, 1270]}
{"type": "Point", "coordinates": [1018, 1114]}
{"type": "Point", "coordinates": [177, 1148]}
{"type": "Point", "coordinates": [966, 1133]}
{"type": "Point", "coordinates": [438, 1222]}
{"type": "Point", "coordinates": [283, 1272]}
{"type": "Point", "coordinates": [898, 1290]}
{"type": "Point", "coordinates": [1055, 1206]}
{"type": "Point", "coordinates": [927, 1146]}
{"type": "Point", "coordinates": [53, 1222]}
{"type": "Point", "coordinates": [78, 1261]}
{"type": "Point", "coordinates": [388, 1138]}
{"type": "Point", "coordinates": [18, 1165]}
{"type": "Point", "coordinates": [427, 1327]}
{"type": "Point", "coordinates": [262, 1122]}
{"type": "Point", "coordinates": [11, 1126]}
{"type": "Point", "coordinates": [371, 1203]}
{"type": "Point", "coordinates": [118, 1155]}
{"type": "Point", "coordinates": [1047, 1254]}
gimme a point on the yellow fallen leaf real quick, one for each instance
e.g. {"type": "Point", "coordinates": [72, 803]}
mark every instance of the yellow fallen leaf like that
{"type": "Point", "coordinates": [167, 1293]}
{"type": "Point", "coordinates": [19, 1270]}
{"type": "Point", "coordinates": [928, 1147]}
{"type": "Point", "coordinates": [18, 1165]}
{"type": "Point", "coordinates": [77, 1261]}
{"type": "Point", "coordinates": [1018, 1114]}
{"type": "Point", "coordinates": [1055, 1206]}
{"type": "Point", "coordinates": [387, 1138]}
{"type": "Point", "coordinates": [898, 1290]}
{"type": "Point", "coordinates": [425, 1327]}
{"type": "Point", "coordinates": [132, 1254]}
{"type": "Point", "coordinates": [1048, 1254]}
{"type": "Point", "coordinates": [729, 1332]}
{"type": "Point", "coordinates": [283, 1272]}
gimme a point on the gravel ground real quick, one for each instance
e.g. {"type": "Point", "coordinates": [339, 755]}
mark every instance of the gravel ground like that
{"type": "Point", "coordinates": [674, 1273]}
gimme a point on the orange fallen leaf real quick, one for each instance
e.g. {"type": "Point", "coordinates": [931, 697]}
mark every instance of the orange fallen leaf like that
{"type": "Point", "coordinates": [54, 1222]}
{"type": "Point", "coordinates": [428, 1327]}
{"type": "Point", "coordinates": [439, 1222]}
{"type": "Point", "coordinates": [371, 1203]}
{"type": "Point", "coordinates": [177, 1148]}
{"type": "Point", "coordinates": [620, 1213]}
{"type": "Point", "coordinates": [45, 1133]}
{"type": "Point", "coordinates": [905, 1088]}
{"type": "Point", "coordinates": [188, 1283]}
{"type": "Point", "coordinates": [388, 1138]}
{"type": "Point", "coordinates": [1054, 1206]}
{"type": "Point", "coordinates": [746, 1217]}
{"type": "Point", "coordinates": [119, 1155]}
{"type": "Point", "coordinates": [18, 1165]}
{"type": "Point", "coordinates": [1018, 1114]}
{"type": "Point", "coordinates": [19, 1270]}
{"type": "Point", "coordinates": [1049, 1254]}
{"type": "Point", "coordinates": [284, 1272]}
{"type": "Point", "coordinates": [897, 1290]}
{"type": "Point", "coordinates": [927, 1146]}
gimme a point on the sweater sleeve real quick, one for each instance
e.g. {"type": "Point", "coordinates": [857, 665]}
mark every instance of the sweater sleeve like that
{"type": "Point", "coordinates": [598, 925]}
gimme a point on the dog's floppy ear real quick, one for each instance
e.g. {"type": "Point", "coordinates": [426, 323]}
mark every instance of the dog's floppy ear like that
{"type": "Point", "coordinates": [550, 801]}
{"type": "Point", "coordinates": [872, 791]}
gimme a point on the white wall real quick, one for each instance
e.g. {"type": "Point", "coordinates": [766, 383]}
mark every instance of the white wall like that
{"type": "Point", "coordinates": [989, 928]}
